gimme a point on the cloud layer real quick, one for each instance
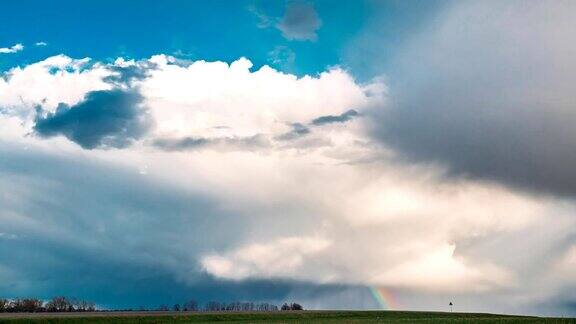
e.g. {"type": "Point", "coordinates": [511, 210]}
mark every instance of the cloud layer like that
{"type": "Point", "coordinates": [487, 91]}
{"type": "Point", "coordinates": [261, 180]}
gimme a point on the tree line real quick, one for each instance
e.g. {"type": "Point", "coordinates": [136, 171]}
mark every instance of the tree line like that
{"type": "Point", "coordinates": [64, 304]}
{"type": "Point", "coordinates": [56, 304]}
{"type": "Point", "coordinates": [215, 306]}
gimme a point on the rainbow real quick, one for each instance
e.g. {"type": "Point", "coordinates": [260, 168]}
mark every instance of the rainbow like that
{"type": "Point", "coordinates": [384, 298]}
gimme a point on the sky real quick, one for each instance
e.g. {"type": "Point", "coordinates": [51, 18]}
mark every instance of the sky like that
{"type": "Point", "coordinates": [340, 154]}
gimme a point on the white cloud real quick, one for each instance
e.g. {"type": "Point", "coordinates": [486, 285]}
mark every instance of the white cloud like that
{"type": "Point", "coordinates": [48, 82]}
{"type": "Point", "coordinates": [41, 44]}
{"type": "Point", "coordinates": [249, 103]}
{"type": "Point", "coordinates": [329, 207]}
{"type": "Point", "coordinates": [14, 49]}
{"type": "Point", "coordinates": [281, 258]}
{"type": "Point", "coordinates": [441, 269]}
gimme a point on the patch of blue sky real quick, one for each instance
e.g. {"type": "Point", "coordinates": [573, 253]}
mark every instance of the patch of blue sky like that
{"type": "Point", "coordinates": [207, 30]}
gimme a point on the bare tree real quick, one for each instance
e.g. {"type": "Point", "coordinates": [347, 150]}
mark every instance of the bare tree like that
{"type": "Point", "coordinates": [295, 306]}
{"type": "Point", "coordinates": [4, 305]}
{"type": "Point", "coordinates": [59, 304]}
{"type": "Point", "coordinates": [81, 305]}
{"type": "Point", "coordinates": [213, 306]}
{"type": "Point", "coordinates": [30, 305]}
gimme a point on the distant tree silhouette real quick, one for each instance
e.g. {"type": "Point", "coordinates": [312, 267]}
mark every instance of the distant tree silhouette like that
{"type": "Point", "coordinates": [163, 308]}
{"type": "Point", "coordinates": [4, 305]}
{"type": "Point", "coordinates": [80, 305]}
{"type": "Point", "coordinates": [191, 305]}
{"type": "Point", "coordinates": [295, 306]}
{"type": "Point", "coordinates": [29, 305]}
{"type": "Point", "coordinates": [265, 307]}
{"type": "Point", "coordinates": [59, 304]}
{"type": "Point", "coordinates": [65, 304]}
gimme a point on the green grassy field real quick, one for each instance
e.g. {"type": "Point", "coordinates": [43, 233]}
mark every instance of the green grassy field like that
{"type": "Point", "coordinates": [282, 317]}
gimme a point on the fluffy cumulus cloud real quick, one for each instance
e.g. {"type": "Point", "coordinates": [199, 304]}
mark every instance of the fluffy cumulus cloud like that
{"type": "Point", "coordinates": [183, 174]}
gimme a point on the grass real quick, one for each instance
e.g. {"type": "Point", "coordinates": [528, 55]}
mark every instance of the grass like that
{"type": "Point", "coordinates": [282, 317]}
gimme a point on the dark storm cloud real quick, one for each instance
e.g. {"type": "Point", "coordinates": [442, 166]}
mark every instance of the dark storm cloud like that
{"type": "Point", "coordinates": [561, 303]}
{"type": "Point", "coordinates": [106, 231]}
{"type": "Point", "coordinates": [83, 229]}
{"type": "Point", "coordinates": [105, 118]}
{"type": "Point", "coordinates": [488, 91]}
{"type": "Point", "coordinates": [300, 22]}
{"type": "Point", "coordinates": [342, 118]}
{"type": "Point", "coordinates": [246, 143]}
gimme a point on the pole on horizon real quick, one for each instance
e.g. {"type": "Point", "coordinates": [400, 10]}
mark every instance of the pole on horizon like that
{"type": "Point", "coordinates": [450, 306]}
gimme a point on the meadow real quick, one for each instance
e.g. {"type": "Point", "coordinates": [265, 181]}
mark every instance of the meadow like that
{"type": "Point", "coordinates": [277, 317]}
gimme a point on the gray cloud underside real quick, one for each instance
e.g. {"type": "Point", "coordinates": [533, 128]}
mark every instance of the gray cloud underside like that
{"type": "Point", "coordinates": [87, 228]}
{"type": "Point", "coordinates": [342, 118]}
{"type": "Point", "coordinates": [247, 143]}
{"type": "Point", "coordinates": [105, 118]}
{"type": "Point", "coordinates": [250, 143]}
{"type": "Point", "coordinates": [300, 130]}
{"type": "Point", "coordinates": [126, 75]}
{"type": "Point", "coordinates": [488, 91]}
{"type": "Point", "coordinates": [116, 228]}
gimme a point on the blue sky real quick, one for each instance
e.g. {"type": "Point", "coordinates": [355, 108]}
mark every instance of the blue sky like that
{"type": "Point", "coordinates": [218, 30]}
{"type": "Point", "coordinates": [213, 30]}
{"type": "Point", "coordinates": [152, 152]}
